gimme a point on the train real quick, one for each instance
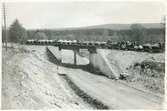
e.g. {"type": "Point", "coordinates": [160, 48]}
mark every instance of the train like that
{"type": "Point", "coordinates": [133, 46]}
{"type": "Point", "coordinates": [123, 45]}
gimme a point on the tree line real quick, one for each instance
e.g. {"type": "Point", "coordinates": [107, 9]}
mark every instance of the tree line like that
{"type": "Point", "coordinates": [18, 34]}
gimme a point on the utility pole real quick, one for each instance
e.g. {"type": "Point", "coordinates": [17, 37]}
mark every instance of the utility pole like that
{"type": "Point", "coordinates": [4, 15]}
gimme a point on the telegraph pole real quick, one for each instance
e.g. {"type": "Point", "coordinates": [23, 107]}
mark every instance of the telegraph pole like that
{"type": "Point", "coordinates": [4, 15]}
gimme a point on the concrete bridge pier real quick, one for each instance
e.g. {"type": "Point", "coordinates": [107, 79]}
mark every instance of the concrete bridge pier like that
{"type": "Point", "coordinates": [75, 55]}
{"type": "Point", "coordinates": [92, 53]}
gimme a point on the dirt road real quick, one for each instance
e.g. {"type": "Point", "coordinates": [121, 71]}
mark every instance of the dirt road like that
{"type": "Point", "coordinates": [110, 92]}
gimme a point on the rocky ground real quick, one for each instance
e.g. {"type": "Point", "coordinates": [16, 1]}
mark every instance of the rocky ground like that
{"type": "Point", "coordinates": [30, 81]}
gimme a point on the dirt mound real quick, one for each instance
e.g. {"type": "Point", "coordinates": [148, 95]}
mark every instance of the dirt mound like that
{"type": "Point", "coordinates": [146, 70]}
{"type": "Point", "coordinates": [150, 73]}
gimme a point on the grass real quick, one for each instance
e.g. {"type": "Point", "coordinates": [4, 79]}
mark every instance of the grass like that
{"type": "Point", "coordinates": [149, 73]}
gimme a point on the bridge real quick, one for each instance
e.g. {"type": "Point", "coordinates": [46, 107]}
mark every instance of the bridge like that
{"type": "Point", "coordinates": [74, 45]}
{"type": "Point", "coordinates": [94, 55]}
{"type": "Point", "coordinates": [96, 58]}
{"type": "Point", "coordinates": [112, 94]}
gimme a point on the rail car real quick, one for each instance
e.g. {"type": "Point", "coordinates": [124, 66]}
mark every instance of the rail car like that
{"type": "Point", "coordinates": [158, 47]}
{"type": "Point", "coordinates": [123, 45]}
{"type": "Point", "coordinates": [32, 42]}
{"type": "Point", "coordinates": [113, 45]}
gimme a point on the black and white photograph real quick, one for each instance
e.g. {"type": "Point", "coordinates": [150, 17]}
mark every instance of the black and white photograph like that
{"type": "Point", "coordinates": [83, 55]}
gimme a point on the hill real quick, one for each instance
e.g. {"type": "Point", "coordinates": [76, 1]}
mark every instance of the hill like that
{"type": "Point", "coordinates": [124, 26]}
{"type": "Point", "coordinates": [114, 26]}
{"type": "Point", "coordinates": [151, 33]}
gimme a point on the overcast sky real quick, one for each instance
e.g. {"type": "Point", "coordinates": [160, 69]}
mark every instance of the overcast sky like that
{"type": "Point", "coordinates": [76, 14]}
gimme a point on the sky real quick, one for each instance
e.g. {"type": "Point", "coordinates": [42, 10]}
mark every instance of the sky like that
{"type": "Point", "coordinates": [34, 15]}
